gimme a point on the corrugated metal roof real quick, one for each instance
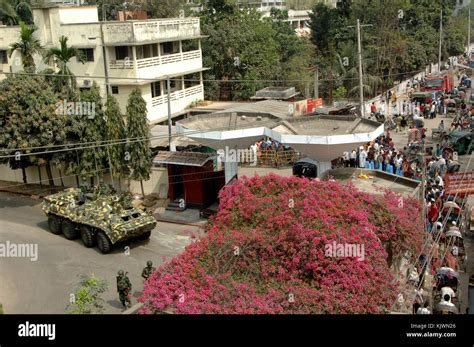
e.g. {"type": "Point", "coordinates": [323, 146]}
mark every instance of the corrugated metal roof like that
{"type": "Point", "coordinates": [159, 137]}
{"type": "Point", "coordinates": [183, 158]}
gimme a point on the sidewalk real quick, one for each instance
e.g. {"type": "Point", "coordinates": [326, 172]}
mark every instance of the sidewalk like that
{"type": "Point", "coordinates": [33, 190]}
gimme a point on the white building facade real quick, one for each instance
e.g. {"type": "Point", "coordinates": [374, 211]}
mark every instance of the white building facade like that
{"type": "Point", "coordinates": [123, 55]}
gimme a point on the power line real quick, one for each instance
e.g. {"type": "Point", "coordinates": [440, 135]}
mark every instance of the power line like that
{"type": "Point", "coordinates": [137, 80]}
{"type": "Point", "coordinates": [105, 143]}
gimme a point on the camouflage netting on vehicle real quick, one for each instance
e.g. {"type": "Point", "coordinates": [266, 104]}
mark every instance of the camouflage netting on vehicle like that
{"type": "Point", "coordinates": [102, 209]}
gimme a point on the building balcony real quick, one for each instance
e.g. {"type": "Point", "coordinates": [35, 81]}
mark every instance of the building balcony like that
{"type": "Point", "coordinates": [157, 67]}
{"type": "Point", "coordinates": [133, 32]}
{"type": "Point", "coordinates": [180, 101]}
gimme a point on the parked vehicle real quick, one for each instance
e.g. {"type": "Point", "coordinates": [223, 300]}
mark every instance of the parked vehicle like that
{"type": "Point", "coordinates": [461, 141]}
{"type": "Point", "coordinates": [422, 97]}
{"type": "Point", "coordinates": [442, 81]}
{"type": "Point", "coordinates": [306, 167]}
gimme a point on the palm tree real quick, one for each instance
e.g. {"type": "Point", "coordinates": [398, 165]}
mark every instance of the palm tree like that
{"type": "Point", "coordinates": [28, 45]}
{"type": "Point", "coordinates": [14, 11]}
{"type": "Point", "coordinates": [60, 56]}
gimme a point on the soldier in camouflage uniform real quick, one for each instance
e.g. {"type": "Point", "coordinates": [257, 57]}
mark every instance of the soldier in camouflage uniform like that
{"type": "Point", "coordinates": [124, 288]}
{"type": "Point", "coordinates": [148, 270]}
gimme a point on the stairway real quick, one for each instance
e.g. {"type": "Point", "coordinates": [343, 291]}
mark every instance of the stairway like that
{"type": "Point", "coordinates": [176, 205]}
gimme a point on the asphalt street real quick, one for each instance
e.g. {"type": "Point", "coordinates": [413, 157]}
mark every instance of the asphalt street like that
{"type": "Point", "coordinates": [45, 285]}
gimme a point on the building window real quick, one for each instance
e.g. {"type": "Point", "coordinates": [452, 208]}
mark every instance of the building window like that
{"type": "Point", "coordinates": [155, 89]}
{"type": "Point", "coordinates": [88, 53]}
{"type": "Point", "coordinates": [3, 57]}
{"type": "Point", "coordinates": [115, 90]}
{"type": "Point", "coordinates": [169, 47]}
{"type": "Point", "coordinates": [121, 53]}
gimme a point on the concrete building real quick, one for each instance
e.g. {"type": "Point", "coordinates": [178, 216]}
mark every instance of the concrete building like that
{"type": "Point", "coordinates": [122, 55]}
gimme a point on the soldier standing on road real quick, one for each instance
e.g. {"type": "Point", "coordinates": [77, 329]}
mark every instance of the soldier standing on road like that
{"type": "Point", "coordinates": [148, 270]}
{"type": "Point", "coordinates": [124, 288]}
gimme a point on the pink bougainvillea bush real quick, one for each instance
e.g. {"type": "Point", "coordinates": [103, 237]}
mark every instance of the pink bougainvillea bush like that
{"type": "Point", "coordinates": [267, 252]}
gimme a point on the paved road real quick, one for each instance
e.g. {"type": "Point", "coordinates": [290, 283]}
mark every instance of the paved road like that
{"type": "Point", "coordinates": [44, 286]}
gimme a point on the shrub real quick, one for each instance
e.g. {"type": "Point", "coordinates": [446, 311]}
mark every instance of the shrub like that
{"type": "Point", "coordinates": [264, 252]}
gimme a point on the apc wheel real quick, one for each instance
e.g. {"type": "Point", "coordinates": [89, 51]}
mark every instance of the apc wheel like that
{"type": "Point", "coordinates": [146, 235]}
{"type": "Point", "coordinates": [53, 224]}
{"type": "Point", "coordinates": [69, 229]}
{"type": "Point", "coordinates": [87, 236]}
{"type": "Point", "coordinates": [103, 242]}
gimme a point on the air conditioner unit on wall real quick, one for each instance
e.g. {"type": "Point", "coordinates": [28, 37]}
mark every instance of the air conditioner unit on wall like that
{"type": "Point", "coordinates": [87, 83]}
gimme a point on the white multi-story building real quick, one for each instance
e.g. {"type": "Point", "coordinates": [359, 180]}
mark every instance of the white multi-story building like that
{"type": "Point", "coordinates": [123, 55]}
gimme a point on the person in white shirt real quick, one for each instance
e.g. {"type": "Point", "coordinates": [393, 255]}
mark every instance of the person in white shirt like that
{"type": "Point", "coordinates": [352, 158]}
{"type": "Point", "coordinates": [424, 309]}
{"type": "Point", "coordinates": [448, 291]}
{"type": "Point", "coordinates": [439, 181]}
{"type": "Point", "coordinates": [433, 110]}
{"type": "Point", "coordinates": [362, 157]}
{"type": "Point", "coordinates": [438, 225]}
{"type": "Point", "coordinates": [346, 158]}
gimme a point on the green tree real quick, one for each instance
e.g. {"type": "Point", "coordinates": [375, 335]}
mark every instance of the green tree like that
{"type": "Point", "coordinates": [296, 55]}
{"type": "Point", "coordinates": [27, 46]}
{"type": "Point", "coordinates": [93, 159]}
{"type": "Point", "coordinates": [14, 11]}
{"type": "Point", "coordinates": [340, 93]}
{"type": "Point", "coordinates": [87, 299]}
{"type": "Point", "coordinates": [138, 135]}
{"type": "Point", "coordinates": [60, 57]}
{"type": "Point", "coordinates": [116, 133]}
{"type": "Point", "coordinates": [240, 47]}
{"type": "Point", "coordinates": [328, 31]}
{"type": "Point", "coordinates": [29, 118]}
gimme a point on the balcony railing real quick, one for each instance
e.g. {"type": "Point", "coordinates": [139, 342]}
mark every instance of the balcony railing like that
{"type": "Point", "coordinates": [151, 30]}
{"type": "Point", "coordinates": [179, 94]}
{"type": "Point", "coordinates": [168, 59]}
{"type": "Point", "coordinates": [155, 61]}
{"type": "Point", "coordinates": [121, 64]}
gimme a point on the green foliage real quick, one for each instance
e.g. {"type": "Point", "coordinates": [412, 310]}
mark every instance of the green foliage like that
{"type": "Point", "coordinates": [28, 118]}
{"type": "Point", "coordinates": [13, 12]}
{"type": "Point", "coordinates": [60, 57]}
{"type": "Point", "coordinates": [138, 135]}
{"type": "Point", "coordinates": [115, 130]}
{"type": "Point", "coordinates": [1, 309]}
{"type": "Point", "coordinates": [28, 45]}
{"type": "Point", "coordinates": [340, 93]}
{"type": "Point", "coordinates": [403, 39]}
{"type": "Point", "coordinates": [241, 46]}
{"type": "Point", "coordinates": [87, 298]}
{"type": "Point", "coordinates": [301, 4]}
{"type": "Point", "coordinates": [93, 160]}
{"type": "Point", "coordinates": [155, 9]}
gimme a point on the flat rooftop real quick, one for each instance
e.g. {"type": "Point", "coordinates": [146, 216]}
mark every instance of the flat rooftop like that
{"type": "Point", "coordinates": [377, 181]}
{"type": "Point", "coordinates": [307, 125]}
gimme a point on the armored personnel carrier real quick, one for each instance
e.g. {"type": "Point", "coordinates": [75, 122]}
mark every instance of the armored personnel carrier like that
{"type": "Point", "coordinates": [96, 215]}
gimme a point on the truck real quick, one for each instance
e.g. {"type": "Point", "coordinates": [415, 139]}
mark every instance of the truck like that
{"type": "Point", "coordinates": [442, 81]}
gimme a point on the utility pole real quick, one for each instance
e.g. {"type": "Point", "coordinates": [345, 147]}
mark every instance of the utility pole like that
{"type": "Point", "coordinates": [469, 31]}
{"type": "Point", "coordinates": [361, 81]}
{"type": "Point", "coordinates": [168, 85]}
{"type": "Point", "coordinates": [440, 39]}
{"type": "Point", "coordinates": [361, 76]}
{"type": "Point", "coordinates": [316, 83]}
